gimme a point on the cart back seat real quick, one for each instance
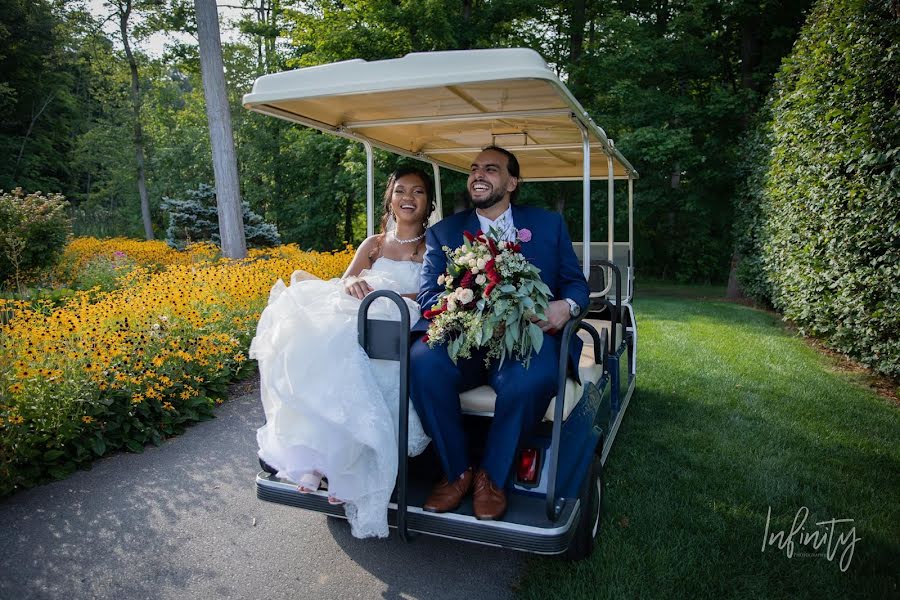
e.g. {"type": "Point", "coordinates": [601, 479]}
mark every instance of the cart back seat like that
{"type": "Point", "coordinates": [622, 258]}
{"type": "Point", "coordinates": [480, 400]}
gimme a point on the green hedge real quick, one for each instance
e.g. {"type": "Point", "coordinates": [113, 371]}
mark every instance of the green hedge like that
{"type": "Point", "coordinates": [818, 220]}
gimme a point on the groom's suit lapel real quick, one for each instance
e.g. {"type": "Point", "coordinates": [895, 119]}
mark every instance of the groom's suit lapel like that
{"type": "Point", "coordinates": [522, 219]}
{"type": "Point", "coordinates": [519, 218]}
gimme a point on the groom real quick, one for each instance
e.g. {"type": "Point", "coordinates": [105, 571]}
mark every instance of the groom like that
{"type": "Point", "coordinates": [523, 394]}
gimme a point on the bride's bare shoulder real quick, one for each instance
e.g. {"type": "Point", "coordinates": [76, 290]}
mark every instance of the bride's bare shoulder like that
{"type": "Point", "coordinates": [371, 247]}
{"type": "Point", "coordinates": [366, 254]}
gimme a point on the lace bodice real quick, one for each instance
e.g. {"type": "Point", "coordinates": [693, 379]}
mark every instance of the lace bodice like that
{"type": "Point", "coordinates": [404, 274]}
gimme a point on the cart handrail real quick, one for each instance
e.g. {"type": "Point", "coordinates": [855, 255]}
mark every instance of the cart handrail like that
{"type": "Point", "coordinates": [389, 340]}
{"type": "Point", "coordinates": [617, 315]}
{"type": "Point", "coordinates": [554, 508]}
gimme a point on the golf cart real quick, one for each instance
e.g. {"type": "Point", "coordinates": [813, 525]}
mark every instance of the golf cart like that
{"type": "Point", "coordinates": [442, 108]}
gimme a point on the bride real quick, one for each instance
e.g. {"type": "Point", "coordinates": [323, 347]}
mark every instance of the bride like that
{"type": "Point", "coordinates": [330, 410]}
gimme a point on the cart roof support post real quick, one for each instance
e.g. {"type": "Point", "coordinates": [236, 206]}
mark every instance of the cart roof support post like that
{"type": "Point", "coordinates": [611, 209]}
{"type": "Point", "coordinates": [438, 213]}
{"type": "Point", "coordinates": [631, 216]}
{"type": "Point", "coordinates": [586, 200]}
{"type": "Point", "coordinates": [370, 189]}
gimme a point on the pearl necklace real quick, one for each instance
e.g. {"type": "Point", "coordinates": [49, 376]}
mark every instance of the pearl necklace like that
{"type": "Point", "coordinates": [409, 241]}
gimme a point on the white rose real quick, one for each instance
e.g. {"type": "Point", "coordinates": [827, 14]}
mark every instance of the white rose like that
{"type": "Point", "coordinates": [481, 262]}
{"type": "Point", "coordinates": [451, 304]}
{"type": "Point", "coordinates": [472, 263]}
{"type": "Point", "coordinates": [480, 279]}
{"type": "Point", "coordinates": [441, 279]}
{"type": "Point", "coordinates": [465, 295]}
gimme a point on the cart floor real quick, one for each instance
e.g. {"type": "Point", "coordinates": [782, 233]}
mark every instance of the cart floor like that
{"type": "Point", "coordinates": [525, 525]}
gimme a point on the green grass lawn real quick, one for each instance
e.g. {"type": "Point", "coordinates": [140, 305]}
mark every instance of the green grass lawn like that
{"type": "Point", "coordinates": [734, 414]}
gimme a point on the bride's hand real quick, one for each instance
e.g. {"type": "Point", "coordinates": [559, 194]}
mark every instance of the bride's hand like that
{"type": "Point", "coordinates": [356, 287]}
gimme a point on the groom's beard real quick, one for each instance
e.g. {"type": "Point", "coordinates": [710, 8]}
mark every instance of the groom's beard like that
{"type": "Point", "coordinates": [488, 202]}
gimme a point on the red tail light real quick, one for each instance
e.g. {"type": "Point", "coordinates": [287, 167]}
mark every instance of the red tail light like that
{"type": "Point", "coordinates": [527, 467]}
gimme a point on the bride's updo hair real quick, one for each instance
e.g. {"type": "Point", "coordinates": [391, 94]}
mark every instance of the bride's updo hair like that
{"type": "Point", "coordinates": [389, 191]}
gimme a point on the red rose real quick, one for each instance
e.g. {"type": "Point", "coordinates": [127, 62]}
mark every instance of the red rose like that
{"type": "Point", "coordinates": [491, 271]}
{"type": "Point", "coordinates": [433, 312]}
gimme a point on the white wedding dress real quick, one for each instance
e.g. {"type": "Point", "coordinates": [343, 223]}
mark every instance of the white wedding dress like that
{"type": "Point", "coordinates": [329, 408]}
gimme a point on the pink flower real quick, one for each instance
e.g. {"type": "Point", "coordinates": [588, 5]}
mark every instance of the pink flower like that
{"type": "Point", "coordinates": [523, 235]}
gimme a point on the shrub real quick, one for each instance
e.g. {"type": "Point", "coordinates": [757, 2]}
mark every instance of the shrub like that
{"type": "Point", "coordinates": [195, 218]}
{"type": "Point", "coordinates": [33, 230]}
{"type": "Point", "coordinates": [818, 222]}
{"type": "Point", "coordinates": [118, 370]}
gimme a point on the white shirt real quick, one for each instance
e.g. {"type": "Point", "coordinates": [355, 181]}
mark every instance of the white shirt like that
{"type": "Point", "coordinates": [503, 224]}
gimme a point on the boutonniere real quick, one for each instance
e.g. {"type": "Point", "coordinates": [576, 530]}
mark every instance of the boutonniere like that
{"type": "Point", "coordinates": [523, 235]}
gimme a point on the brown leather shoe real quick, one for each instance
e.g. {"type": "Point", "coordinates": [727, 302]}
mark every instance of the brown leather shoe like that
{"type": "Point", "coordinates": [489, 501]}
{"type": "Point", "coordinates": [446, 496]}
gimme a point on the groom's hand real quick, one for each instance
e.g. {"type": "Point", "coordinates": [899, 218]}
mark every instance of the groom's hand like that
{"type": "Point", "coordinates": [557, 316]}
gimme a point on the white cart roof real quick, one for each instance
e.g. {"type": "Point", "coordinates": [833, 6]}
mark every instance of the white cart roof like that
{"type": "Point", "coordinates": [444, 107]}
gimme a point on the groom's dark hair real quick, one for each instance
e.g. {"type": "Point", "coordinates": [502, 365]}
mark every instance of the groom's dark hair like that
{"type": "Point", "coordinates": [512, 165]}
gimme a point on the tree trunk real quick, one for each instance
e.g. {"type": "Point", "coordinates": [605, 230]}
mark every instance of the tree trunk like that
{"type": "Point", "coordinates": [34, 117]}
{"type": "Point", "coordinates": [348, 219]}
{"type": "Point", "coordinates": [750, 57]}
{"type": "Point", "coordinates": [576, 43]}
{"type": "Point", "coordinates": [124, 14]}
{"type": "Point", "coordinates": [272, 10]}
{"type": "Point", "coordinates": [733, 291]}
{"type": "Point", "coordinates": [260, 59]}
{"type": "Point", "coordinates": [218, 114]}
{"type": "Point", "coordinates": [465, 40]}
{"type": "Point", "coordinates": [750, 51]}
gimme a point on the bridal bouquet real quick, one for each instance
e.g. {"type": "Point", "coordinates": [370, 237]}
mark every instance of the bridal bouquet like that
{"type": "Point", "coordinates": [491, 293]}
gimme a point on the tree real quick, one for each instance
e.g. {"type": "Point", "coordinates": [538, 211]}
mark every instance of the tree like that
{"type": "Point", "coordinates": [193, 217]}
{"type": "Point", "coordinates": [124, 10]}
{"type": "Point", "coordinates": [667, 80]}
{"type": "Point", "coordinates": [38, 111]}
{"type": "Point", "coordinates": [218, 114]}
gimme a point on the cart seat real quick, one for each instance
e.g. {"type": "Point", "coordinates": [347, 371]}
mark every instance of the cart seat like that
{"type": "Point", "coordinates": [480, 400]}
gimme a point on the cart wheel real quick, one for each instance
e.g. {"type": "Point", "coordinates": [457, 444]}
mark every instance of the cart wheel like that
{"type": "Point", "coordinates": [588, 524]}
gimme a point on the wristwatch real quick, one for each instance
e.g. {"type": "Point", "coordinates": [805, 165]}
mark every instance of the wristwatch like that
{"type": "Point", "coordinates": [574, 309]}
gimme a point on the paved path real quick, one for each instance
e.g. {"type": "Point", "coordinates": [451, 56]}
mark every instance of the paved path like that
{"type": "Point", "coordinates": [182, 521]}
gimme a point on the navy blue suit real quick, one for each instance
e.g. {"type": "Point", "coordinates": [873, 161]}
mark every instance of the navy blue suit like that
{"type": "Point", "coordinates": [522, 394]}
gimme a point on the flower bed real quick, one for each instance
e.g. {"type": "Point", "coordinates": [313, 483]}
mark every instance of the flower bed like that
{"type": "Point", "coordinates": [133, 365]}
